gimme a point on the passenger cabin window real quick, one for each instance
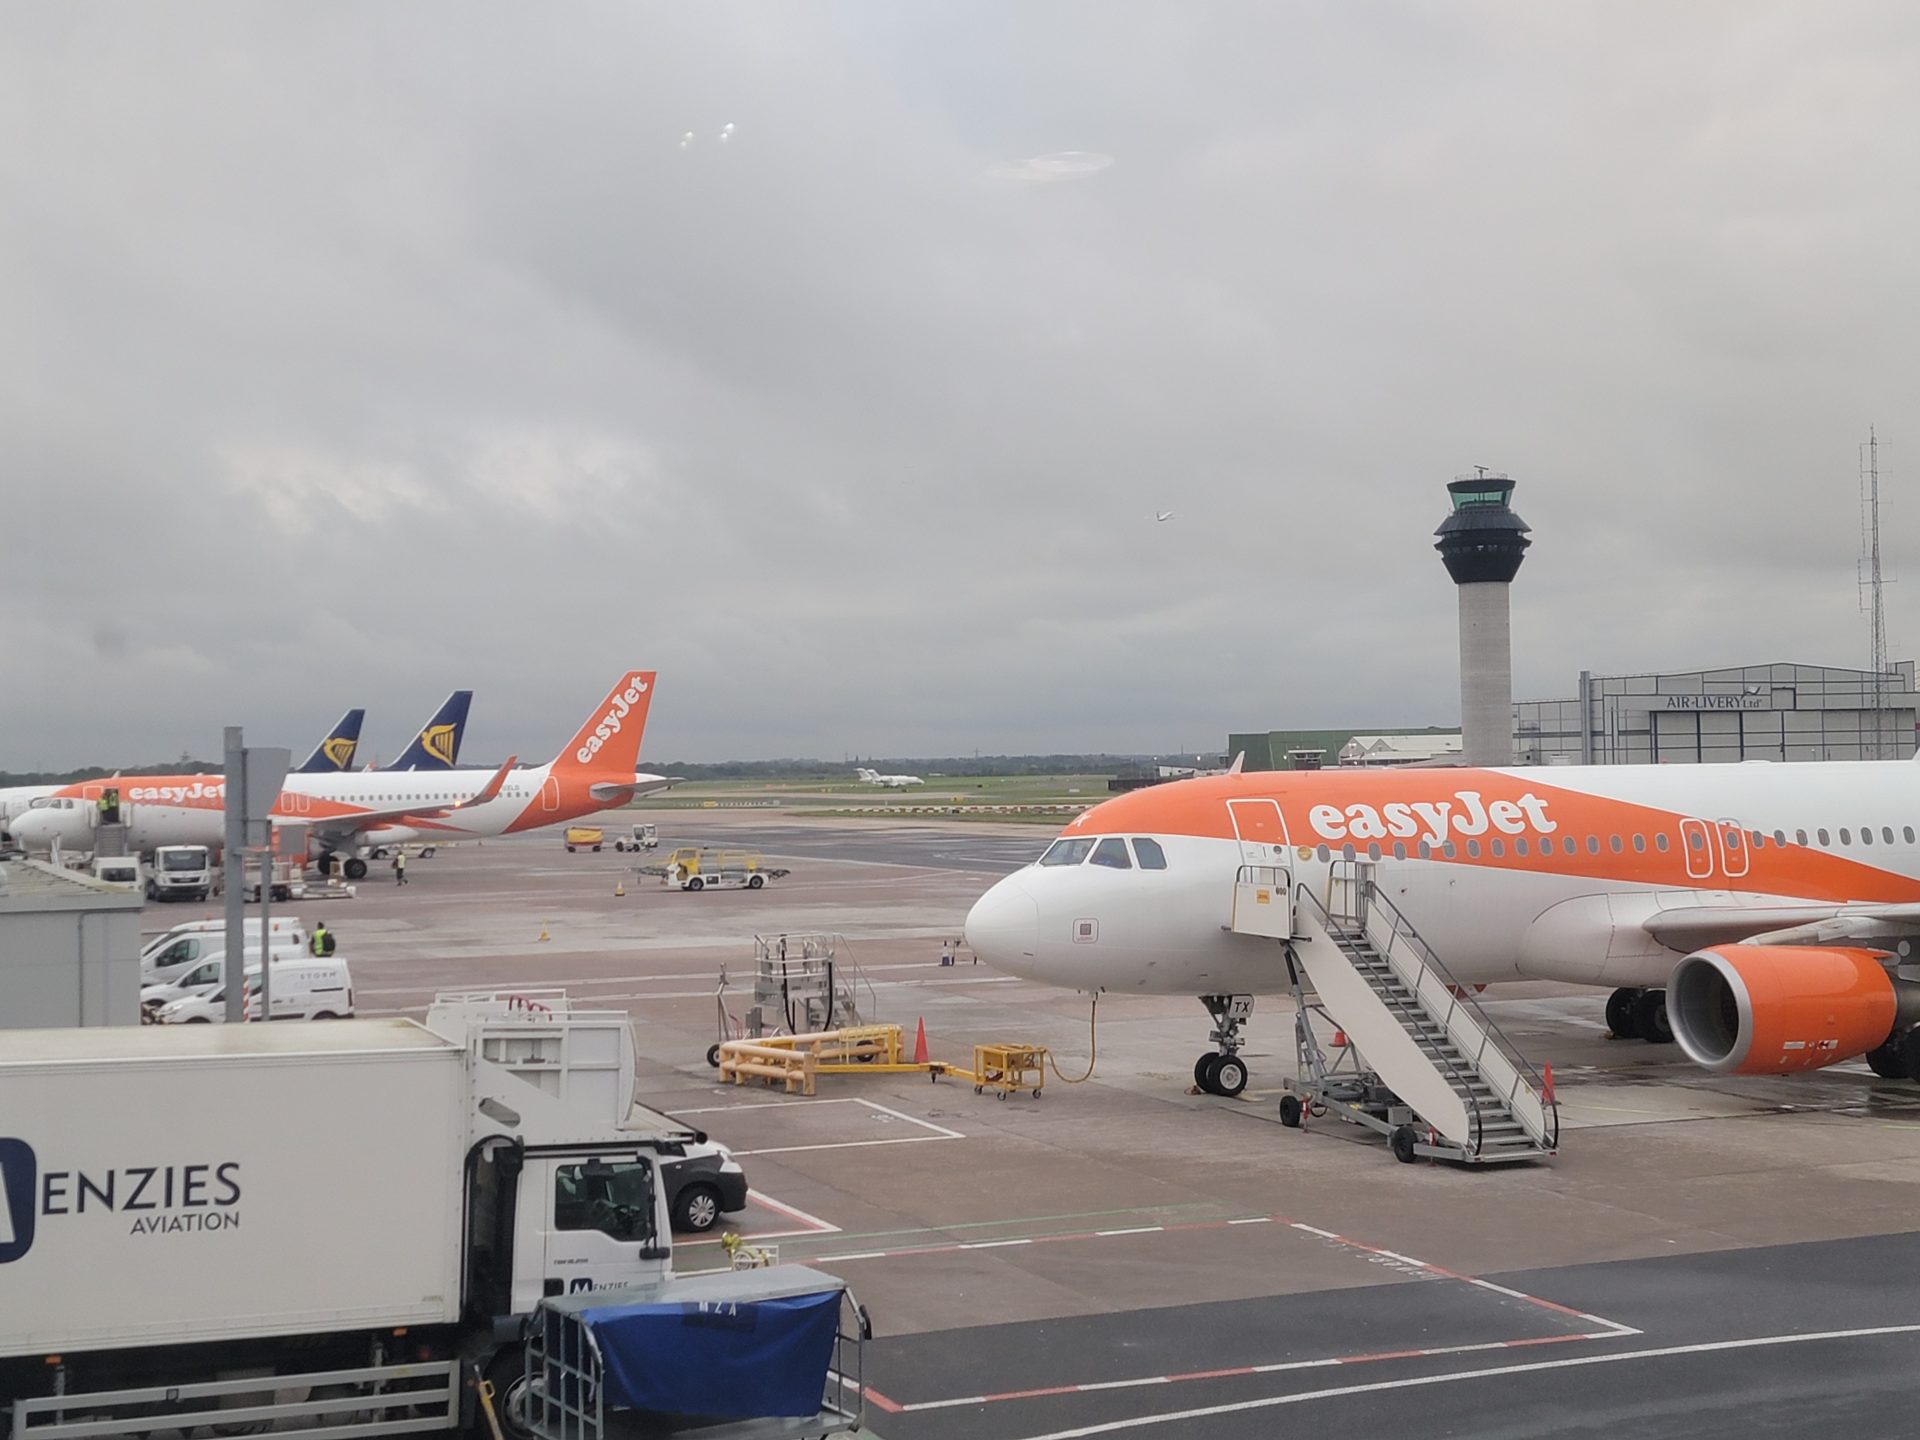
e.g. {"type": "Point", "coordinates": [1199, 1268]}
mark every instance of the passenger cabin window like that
{"type": "Point", "coordinates": [1149, 853]}
{"type": "Point", "coordinates": [1824, 838]}
{"type": "Point", "coordinates": [1067, 852]}
{"type": "Point", "coordinates": [1908, 833]}
{"type": "Point", "coordinates": [1799, 837]}
{"type": "Point", "coordinates": [1886, 833]}
{"type": "Point", "coordinates": [1866, 835]}
{"type": "Point", "coordinates": [1112, 853]}
{"type": "Point", "coordinates": [1846, 836]}
{"type": "Point", "coordinates": [1660, 842]}
{"type": "Point", "coordinates": [1639, 844]}
{"type": "Point", "coordinates": [616, 1200]}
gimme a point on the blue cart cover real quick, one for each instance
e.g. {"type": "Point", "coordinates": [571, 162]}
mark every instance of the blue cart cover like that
{"type": "Point", "coordinates": [727, 1358]}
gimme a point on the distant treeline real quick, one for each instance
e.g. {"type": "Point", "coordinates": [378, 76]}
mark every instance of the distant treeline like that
{"type": "Point", "coordinates": [182, 766]}
{"type": "Point", "coordinates": [724, 770]}
{"type": "Point", "coordinates": [940, 765]}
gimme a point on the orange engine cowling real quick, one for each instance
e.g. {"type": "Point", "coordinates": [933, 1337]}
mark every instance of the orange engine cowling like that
{"type": "Point", "coordinates": [1774, 1009]}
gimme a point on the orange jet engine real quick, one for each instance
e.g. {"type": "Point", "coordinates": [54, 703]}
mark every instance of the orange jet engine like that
{"type": "Point", "coordinates": [1776, 1009]}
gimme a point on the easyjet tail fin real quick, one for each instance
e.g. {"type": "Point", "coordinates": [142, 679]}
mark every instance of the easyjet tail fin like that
{"type": "Point", "coordinates": [437, 746]}
{"type": "Point", "coordinates": [609, 743]}
{"type": "Point", "coordinates": [336, 751]}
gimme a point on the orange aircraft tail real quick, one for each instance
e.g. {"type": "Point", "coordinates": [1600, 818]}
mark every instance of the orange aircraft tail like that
{"type": "Point", "coordinates": [609, 743]}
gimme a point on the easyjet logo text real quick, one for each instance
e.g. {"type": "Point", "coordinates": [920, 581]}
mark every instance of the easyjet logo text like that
{"type": "Point", "coordinates": [610, 722]}
{"type": "Point", "coordinates": [200, 792]}
{"type": "Point", "coordinates": [1434, 820]}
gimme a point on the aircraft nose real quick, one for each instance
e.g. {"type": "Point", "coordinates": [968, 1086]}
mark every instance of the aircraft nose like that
{"type": "Point", "coordinates": [1003, 928]}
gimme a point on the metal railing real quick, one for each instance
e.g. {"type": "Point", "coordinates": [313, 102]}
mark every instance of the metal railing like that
{"type": "Point", "coordinates": [332, 1405]}
{"type": "Point", "coordinates": [1449, 1004]}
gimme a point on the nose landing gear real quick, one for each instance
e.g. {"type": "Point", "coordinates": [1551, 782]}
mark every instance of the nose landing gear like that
{"type": "Point", "coordinates": [1223, 1072]}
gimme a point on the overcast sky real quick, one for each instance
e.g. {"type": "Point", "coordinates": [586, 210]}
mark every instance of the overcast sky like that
{"type": "Point", "coordinates": [353, 353]}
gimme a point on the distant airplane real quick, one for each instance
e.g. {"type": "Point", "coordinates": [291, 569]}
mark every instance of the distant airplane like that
{"type": "Point", "coordinates": [892, 782]}
{"type": "Point", "coordinates": [350, 813]}
{"type": "Point", "coordinates": [437, 746]}
{"type": "Point", "coordinates": [335, 752]}
{"type": "Point", "coordinates": [1160, 517]}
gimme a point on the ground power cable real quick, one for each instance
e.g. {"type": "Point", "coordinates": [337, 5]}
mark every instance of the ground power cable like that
{"type": "Point", "coordinates": [1093, 1048]}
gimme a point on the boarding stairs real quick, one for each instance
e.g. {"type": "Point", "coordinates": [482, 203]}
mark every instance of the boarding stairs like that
{"type": "Point", "coordinates": [1425, 1063]}
{"type": "Point", "coordinates": [803, 984]}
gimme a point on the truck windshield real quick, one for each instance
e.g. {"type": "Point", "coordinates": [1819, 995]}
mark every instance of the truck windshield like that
{"type": "Point", "coordinates": [192, 860]}
{"type": "Point", "coordinates": [616, 1200]}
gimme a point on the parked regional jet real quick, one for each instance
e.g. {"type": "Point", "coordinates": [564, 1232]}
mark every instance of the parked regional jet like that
{"type": "Point", "coordinates": [1774, 903]}
{"type": "Point", "coordinates": [344, 814]}
{"type": "Point", "coordinates": [894, 782]}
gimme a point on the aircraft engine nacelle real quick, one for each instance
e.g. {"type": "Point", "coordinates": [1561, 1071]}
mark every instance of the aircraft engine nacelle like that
{"type": "Point", "coordinates": [1776, 1009]}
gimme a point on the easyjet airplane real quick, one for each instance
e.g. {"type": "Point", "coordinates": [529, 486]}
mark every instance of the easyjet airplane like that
{"type": "Point", "coordinates": [344, 813]}
{"type": "Point", "coordinates": [1758, 913]}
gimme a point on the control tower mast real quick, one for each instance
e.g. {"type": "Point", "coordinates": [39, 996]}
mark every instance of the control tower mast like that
{"type": "Point", "coordinates": [1483, 543]}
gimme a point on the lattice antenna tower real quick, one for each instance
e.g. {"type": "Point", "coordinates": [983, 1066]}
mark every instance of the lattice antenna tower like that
{"type": "Point", "coordinates": [1872, 584]}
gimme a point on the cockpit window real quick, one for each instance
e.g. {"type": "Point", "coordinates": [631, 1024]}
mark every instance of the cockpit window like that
{"type": "Point", "coordinates": [1112, 852]}
{"type": "Point", "coordinates": [1151, 856]}
{"type": "Point", "coordinates": [1066, 852]}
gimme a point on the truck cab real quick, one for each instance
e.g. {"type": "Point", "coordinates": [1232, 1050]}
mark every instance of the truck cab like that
{"type": "Point", "coordinates": [180, 872]}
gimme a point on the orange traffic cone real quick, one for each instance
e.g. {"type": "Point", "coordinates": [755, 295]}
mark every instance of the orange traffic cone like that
{"type": "Point", "coordinates": [1546, 1084]}
{"type": "Point", "coordinates": [1339, 1039]}
{"type": "Point", "coordinates": [920, 1043]}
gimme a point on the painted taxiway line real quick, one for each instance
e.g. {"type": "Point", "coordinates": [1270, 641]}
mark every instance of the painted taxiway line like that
{"type": "Point", "coordinates": [1228, 1372]}
{"type": "Point", "coordinates": [1454, 1377]}
{"type": "Point", "coordinates": [1439, 1272]}
{"type": "Point", "coordinates": [810, 1224]}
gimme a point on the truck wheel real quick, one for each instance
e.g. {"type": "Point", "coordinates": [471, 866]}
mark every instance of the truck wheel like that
{"type": "Point", "coordinates": [696, 883]}
{"type": "Point", "coordinates": [1290, 1111]}
{"type": "Point", "coordinates": [356, 868]}
{"type": "Point", "coordinates": [696, 1208]}
{"type": "Point", "coordinates": [426, 852]}
{"type": "Point", "coordinates": [756, 881]}
{"type": "Point", "coordinates": [1401, 1142]}
{"type": "Point", "coordinates": [512, 1392]}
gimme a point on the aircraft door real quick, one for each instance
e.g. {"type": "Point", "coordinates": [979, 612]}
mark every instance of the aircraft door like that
{"type": "Point", "coordinates": [1733, 848]}
{"type": "Point", "coordinates": [1261, 830]}
{"type": "Point", "coordinates": [550, 794]}
{"type": "Point", "coordinates": [1696, 844]}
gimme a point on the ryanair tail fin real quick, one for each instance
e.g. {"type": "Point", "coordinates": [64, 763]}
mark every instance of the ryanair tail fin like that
{"type": "Point", "coordinates": [336, 751]}
{"type": "Point", "coordinates": [437, 746]}
{"type": "Point", "coordinates": [609, 743]}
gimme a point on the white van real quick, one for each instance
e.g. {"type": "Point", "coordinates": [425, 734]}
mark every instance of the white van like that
{"type": "Point", "coordinates": [117, 870]}
{"type": "Point", "coordinates": [181, 948]}
{"type": "Point", "coordinates": [308, 988]}
{"type": "Point", "coordinates": [209, 975]}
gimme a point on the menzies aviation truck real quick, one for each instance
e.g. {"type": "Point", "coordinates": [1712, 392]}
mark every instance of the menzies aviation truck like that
{"type": "Point", "coordinates": [331, 1228]}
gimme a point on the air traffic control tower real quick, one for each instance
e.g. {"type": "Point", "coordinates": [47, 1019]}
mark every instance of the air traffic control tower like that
{"type": "Point", "coordinates": [1483, 543]}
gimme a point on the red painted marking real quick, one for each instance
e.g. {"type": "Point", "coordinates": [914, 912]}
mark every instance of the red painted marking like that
{"type": "Point", "coordinates": [1383, 1355]}
{"type": "Point", "coordinates": [892, 1407]}
{"type": "Point", "coordinates": [1543, 1340]}
{"type": "Point", "coordinates": [1211, 1374]}
{"type": "Point", "coordinates": [1031, 1394]}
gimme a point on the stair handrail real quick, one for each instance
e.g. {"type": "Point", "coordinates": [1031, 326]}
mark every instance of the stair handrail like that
{"type": "Point", "coordinates": [1410, 1019]}
{"type": "Point", "coordinates": [1546, 1128]}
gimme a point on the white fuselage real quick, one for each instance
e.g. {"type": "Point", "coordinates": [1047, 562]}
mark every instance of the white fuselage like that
{"type": "Point", "coordinates": [1520, 905]}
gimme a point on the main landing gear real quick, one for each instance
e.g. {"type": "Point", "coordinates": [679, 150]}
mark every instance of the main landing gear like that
{"type": "Point", "coordinates": [353, 867]}
{"type": "Point", "coordinates": [1639, 1015]}
{"type": "Point", "coordinates": [1898, 1059]}
{"type": "Point", "coordinates": [1222, 1071]}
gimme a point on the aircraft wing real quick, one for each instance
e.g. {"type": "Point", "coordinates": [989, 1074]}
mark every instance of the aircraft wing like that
{"type": "Point", "coordinates": [340, 829]}
{"type": "Point", "coordinates": [1690, 927]}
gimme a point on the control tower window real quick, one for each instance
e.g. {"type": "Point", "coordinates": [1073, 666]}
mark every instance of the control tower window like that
{"type": "Point", "coordinates": [1067, 852]}
{"type": "Point", "coordinates": [1112, 853]}
{"type": "Point", "coordinates": [1151, 856]}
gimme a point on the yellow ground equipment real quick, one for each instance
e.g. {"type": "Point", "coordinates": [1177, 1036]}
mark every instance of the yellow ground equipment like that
{"type": "Point", "coordinates": [696, 867]}
{"type": "Point", "coordinates": [584, 837]}
{"type": "Point", "coordinates": [793, 1061]}
{"type": "Point", "coordinates": [1005, 1068]}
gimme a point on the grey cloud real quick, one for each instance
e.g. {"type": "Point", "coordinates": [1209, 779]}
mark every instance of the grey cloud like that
{"type": "Point", "coordinates": [394, 348]}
